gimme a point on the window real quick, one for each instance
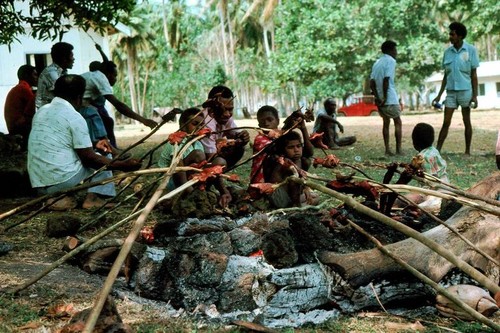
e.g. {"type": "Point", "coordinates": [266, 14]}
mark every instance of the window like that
{"type": "Point", "coordinates": [38, 60]}
{"type": "Point", "coordinates": [481, 90]}
{"type": "Point", "coordinates": [498, 89]}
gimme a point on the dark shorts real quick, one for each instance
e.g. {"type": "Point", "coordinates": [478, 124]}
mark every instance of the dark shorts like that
{"type": "Point", "coordinates": [390, 111]}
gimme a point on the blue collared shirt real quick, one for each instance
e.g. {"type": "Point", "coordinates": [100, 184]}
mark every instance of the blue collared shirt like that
{"type": "Point", "coordinates": [458, 65]}
{"type": "Point", "coordinates": [384, 67]}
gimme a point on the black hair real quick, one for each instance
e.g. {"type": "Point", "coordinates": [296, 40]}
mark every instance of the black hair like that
{"type": "Point", "coordinates": [422, 136]}
{"type": "Point", "coordinates": [221, 90]}
{"type": "Point", "coordinates": [187, 115]}
{"type": "Point", "coordinates": [459, 28]}
{"type": "Point", "coordinates": [69, 86]}
{"type": "Point", "coordinates": [329, 100]}
{"type": "Point", "coordinates": [388, 46]}
{"type": "Point", "coordinates": [268, 108]}
{"type": "Point", "coordinates": [61, 51]}
{"type": "Point", "coordinates": [25, 71]}
{"type": "Point", "coordinates": [107, 67]}
{"type": "Point", "coordinates": [95, 66]}
{"type": "Point", "coordinates": [282, 141]}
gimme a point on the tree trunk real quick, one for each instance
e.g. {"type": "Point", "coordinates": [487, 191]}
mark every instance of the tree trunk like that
{"type": "Point", "coordinates": [131, 77]}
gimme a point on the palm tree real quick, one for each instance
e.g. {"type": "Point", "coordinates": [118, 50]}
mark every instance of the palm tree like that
{"type": "Point", "coordinates": [137, 45]}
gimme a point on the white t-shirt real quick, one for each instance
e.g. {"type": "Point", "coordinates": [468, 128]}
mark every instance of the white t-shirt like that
{"type": "Point", "coordinates": [96, 85]}
{"type": "Point", "coordinates": [497, 151]}
{"type": "Point", "coordinates": [57, 130]}
{"type": "Point", "coordinates": [384, 67]}
{"type": "Point", "coordinates": [46, 82]}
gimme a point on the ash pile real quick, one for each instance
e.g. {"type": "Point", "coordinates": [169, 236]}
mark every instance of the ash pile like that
{"type": "Point", "coordinates": [263, 270]}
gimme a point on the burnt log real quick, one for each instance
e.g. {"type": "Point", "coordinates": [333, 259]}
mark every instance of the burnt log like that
{"type": "Point", "coordinates": [481, 228]}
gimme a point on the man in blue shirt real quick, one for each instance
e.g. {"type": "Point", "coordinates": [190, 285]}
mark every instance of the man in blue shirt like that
{"type": "Point", "coordinates": [460, 62]}
{"type": "Point", "coordinates": [383, 87]}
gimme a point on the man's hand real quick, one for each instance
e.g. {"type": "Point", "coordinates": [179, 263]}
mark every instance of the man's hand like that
{"type": "Point", "coordinates": [104, 145]}
{"type": "Point", "coordinates": [130, 164]}
{"type": "Point", "coordinates": [379, 102]}
{"type": "Point", "coordinates": [225, 199]}
{"type": "Point", "coordinates": [244, 136]}
{"type": "Point", "coordinates": [150, 123]}
{"type": "Point", "coordinates": [341, 128]}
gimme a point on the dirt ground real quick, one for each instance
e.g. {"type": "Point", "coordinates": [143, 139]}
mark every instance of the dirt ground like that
{"type": "Point", "coordinates": [33, 251]}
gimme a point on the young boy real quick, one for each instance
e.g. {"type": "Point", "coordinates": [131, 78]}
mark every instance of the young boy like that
{"type": "Point", "coordinates": [434, 164]}
{"type": "Point", "coordinates": [289, 147]}
{"type": "Point", "coordinates": [267, 117]}
{"type": "Point", "coordinates": [327, 123]}
{"type": "Point", "coordinates": [190, 121]}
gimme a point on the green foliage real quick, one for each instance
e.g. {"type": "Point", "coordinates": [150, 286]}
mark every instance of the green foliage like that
{"type": "Point", "coordinates": [51, 18]}
{"type": "Point", "coordinates": [330, 47]}
{"type": "Point", "coordinates": [18, 314]}
{"type": "Point", "coordinates": [467, 327]}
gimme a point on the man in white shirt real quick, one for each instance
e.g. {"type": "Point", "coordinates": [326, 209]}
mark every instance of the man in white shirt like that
{"type": "Point", "coordinates": [62, 57]}
{"type": "Point", "coordinates": [99, 88]}
{"type": "Point", "coordinates": [60, 152]}
{"type": "Point", "coordinates": [218, 113]}
{"type": "Point", "coordinates": [383, 87]}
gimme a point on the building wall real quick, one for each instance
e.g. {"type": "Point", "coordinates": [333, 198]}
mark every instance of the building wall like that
{"type": "Point", "coordinates": [11, 59]}
{"type": "Point", "coordinates": [488, 74]}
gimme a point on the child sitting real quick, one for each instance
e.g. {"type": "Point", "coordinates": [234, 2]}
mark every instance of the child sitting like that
{"type": "Point", "coordinates": [289, 147]}
{"type": "Point", "coordinates": [267, 117]}
{"type": "Point", "coordinates": [423, 138]}
{"type": "Point", "coordinates": [190, 121]}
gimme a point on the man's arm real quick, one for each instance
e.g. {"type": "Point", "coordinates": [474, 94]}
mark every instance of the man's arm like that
{"type": "Point", "coordinates": [308, 150]}
{"type": "Point", "coordinates": [95, 161]}
{"type": "Point", "coordinates": [125, 110]}
{"type": "Point", "coordinates": [473, 74]}
{"type": "Point", "coordinates": [373, 88]}
{"type": "Point", "coordinates": [441, 90]}
{"type": "Point", "coordinates": [326, 118]}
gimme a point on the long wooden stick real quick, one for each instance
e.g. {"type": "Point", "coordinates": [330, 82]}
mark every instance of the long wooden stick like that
{"type": "Point", "coordinates": [439, 249]}
{"type": "Point", "coordinates": [441, 222]}
{"type": "Point", "coordinates": [473, 313]}
{"type": "Point", "coordinates": [480, 206]}
{"type": "Point", "coordinates": [134, 233]}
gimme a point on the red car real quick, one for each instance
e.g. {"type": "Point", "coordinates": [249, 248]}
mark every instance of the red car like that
{"type": "Point", "coordinates": [360, 106]}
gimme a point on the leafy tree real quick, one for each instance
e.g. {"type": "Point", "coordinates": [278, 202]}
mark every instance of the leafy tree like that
{"type": "Point", "coordinates": [52, 18]}
{"type": "Point", "coordinates": [329, 48]}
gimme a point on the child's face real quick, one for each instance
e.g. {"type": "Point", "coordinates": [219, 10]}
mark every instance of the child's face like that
{"type": "Point", "coordinates": [268, 120]}
{"type": "Point", "coordinates": [293, 149]}
{"type": "Point", "coordinates": [195, 124]}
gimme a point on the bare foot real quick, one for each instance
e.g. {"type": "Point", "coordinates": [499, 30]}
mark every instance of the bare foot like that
{"type": "Point", "coordinates": [66, 203]}
{"type": "Point", "coordinates": [389, 153]}
{"type": "Point", "coordinates": [94, 201]}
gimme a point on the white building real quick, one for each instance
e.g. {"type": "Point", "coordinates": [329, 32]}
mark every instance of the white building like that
{"type": "Point", "coordinates": [488, 76]}
{"type": "Point", "coordinates": [37, 53]}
